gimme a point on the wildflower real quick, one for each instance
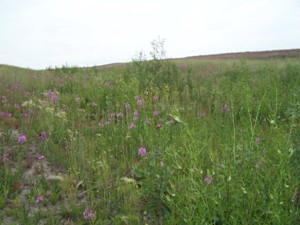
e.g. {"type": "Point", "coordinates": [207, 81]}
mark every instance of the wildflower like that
{"type": "Point", "coordinates": [22, 138]}
{"type": "Point", "coordinates": [39, 198]}
{"type": "Point", "coordinates": [41, 158]}
{"type": "Point", "coordinates": [4, 159]}
{"type": "Point", "coordinates": [139, 102]}
{"type": "Point", "coordinates": [26, 115]}
{"type": "Point", "coordinates": [43, 135]}
{"type": "Point", "coordinates": [8, 115]}
{"type": "Point", "coordinates": [257, 140]}
{"type": "Point", "coordinates": [131, 126]}
{"type": "Point", "coordinates": [88, 214]}
{"type": "Point", "coordinates": [159, 125]}
{"type": "Point", "coordinates": [136, 97]}
{"type": "Point", "coordinates": [142, 151]}
{"type": "Point", "coordinates": [54, 99]}
{"type": "Point", "coordinates": [155, 113]}
{"type": "Point", "coordinates": [112, 115]}
{"type": "Point", "coordinates": [127, 106]}
{"type": "Point", "coordinates": [120, 115]}
{"type": "Point", "coordinates": [135, 115]}
{"type": "Point", "coordinates": [226, 108]}
{"type": "Point", "coordinates": [155, 98]}
{"type": "Point", "coordinates": [208, 180]}
{"type": "Point", "coordinates": [16, 106]}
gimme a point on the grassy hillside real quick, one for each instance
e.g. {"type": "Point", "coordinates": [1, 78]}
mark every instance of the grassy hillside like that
{"type": "Point", "coordinates": [192, 141]}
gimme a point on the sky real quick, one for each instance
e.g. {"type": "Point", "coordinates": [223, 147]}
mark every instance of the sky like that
{"type": "Point", "coordinates": [39, 34]}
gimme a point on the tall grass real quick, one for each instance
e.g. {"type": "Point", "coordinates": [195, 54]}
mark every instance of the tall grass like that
{"type": "Point", "coordinates": [221, 141]}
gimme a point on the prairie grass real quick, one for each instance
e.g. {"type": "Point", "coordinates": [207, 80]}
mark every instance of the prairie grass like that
{"type": "Point", "coordinates": [152, 142]}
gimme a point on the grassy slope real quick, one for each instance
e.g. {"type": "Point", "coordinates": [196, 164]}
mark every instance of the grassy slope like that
{"type": "Point", "coordinates": [223, 148]}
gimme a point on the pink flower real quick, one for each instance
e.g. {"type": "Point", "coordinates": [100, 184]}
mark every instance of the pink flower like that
{"type": "Point", "coordinates": [208, 180]}
{"type": "Point", "coordinates": [88, 214]}
{"type": "Point", "coordinates": [8, 115]}
{"type": "Point", "coordinates": [41, 158]}
{"type": "Point", "coordinates": [127, 106]}
{"type": "Point", "coordinates": [120, 115]}
{"type": "Point", "coordinates": [155, 113]}
{"type": "Point", "coordinates": [139, 102]}
{"type": "Point", "coordinates": [142, 151]}
{"type": "Point", "coordinates": [22, 138]}
{"type": "Point", "coordinates": [54, 99]}
{"type": "Point", "coordinates": [39, 198]}
{"type": "Point", "coordinates": [131, 126]}
{"type": "Point", "coordinates": [43, 135]}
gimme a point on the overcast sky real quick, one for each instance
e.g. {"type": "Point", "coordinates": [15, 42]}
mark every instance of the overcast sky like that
{"type": "Point", "coordinates": [42, 33]}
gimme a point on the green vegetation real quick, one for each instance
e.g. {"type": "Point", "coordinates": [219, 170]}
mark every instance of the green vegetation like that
{"type": "Point", "coordinates": [152, 142]}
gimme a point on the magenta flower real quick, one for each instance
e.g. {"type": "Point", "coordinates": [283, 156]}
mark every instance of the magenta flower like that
{"type": "Point", "coordinates": [208, 180]}
{"type": "Point", "coordinates": [88, 214]}
{"type": "Point", "coordinates": [8, 115]}
{"type": "Point", "coordinates": [155, 113]}
{"type": "Point", "coordinates": [142, 151]}
{"type": "Point", "coordinates": [43, 135]}
{"type": "Point", "coordinates": [135, 115]}
{"type": "Point", "coordinates": [39, 198]}
{"type": "Point", "coordinates": [22, 138]}
{"type": "Point", "coordinates": [41, 158]}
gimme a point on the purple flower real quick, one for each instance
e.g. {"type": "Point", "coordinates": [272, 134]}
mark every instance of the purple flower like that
{"type": "Point", "coordinates": [41, 158]}
{"type": "Point", "coordinates": [127, 106]}
{"type": "Point", "coordinates": [22, 138]}
{"type": "Point", "coordinates": [142, 151]}
{"type": "Point", "coordinates": [54, 99]}
{"type": "Point", "coordinates": [139, 102]}
{"type": "Point", "coordinates": [88, 214]}
{"type": "Point", "coordinates": [8, 115]}
{"type": "Point", "coordinates": [16, 106]}
{"type": "Point", "coordinates": [155, 113]}
{"type": "Point", "coordinates": [39, 198]}
{"type": "Point", "coordinates": [135, 115]}
{"type": "Point", "coordinates": [43, 135]}
{"type": "Point", "coordinates": [112, 115]}
{"type": "Point", "coordinates": [208, 180]}
{"type": "Point", "coordinates": [131, 126]}
{"type": "Point", "coordinates": [120, 115]}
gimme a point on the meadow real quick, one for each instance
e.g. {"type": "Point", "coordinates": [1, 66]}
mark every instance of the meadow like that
{"type": "Point", "coordinates": [152, 142]}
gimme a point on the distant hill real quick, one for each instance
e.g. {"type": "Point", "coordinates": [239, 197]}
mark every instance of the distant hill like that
{"type": "Point", "coordinates": [254, 55]}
